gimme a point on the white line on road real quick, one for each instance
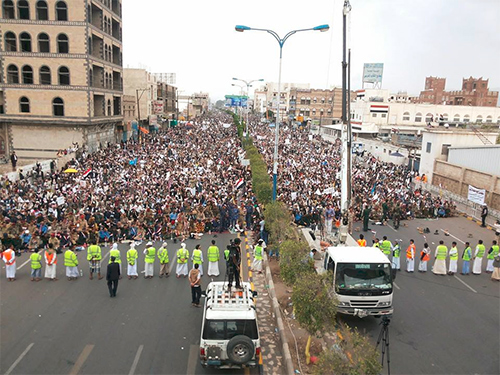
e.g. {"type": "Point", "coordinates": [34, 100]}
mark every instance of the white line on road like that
{"type": "Point", "coordinates": [463, 282]}
{"type": "Point", "coordinates": [81, 359]}
{"type": "Point", "coordinates": [395, 230]}
{"type": "Point", "coordinates": [396, 285]}
{"type": "Point", "coordinates": [29, 260]}
{"type": "Point", "coordinates": [192, 359]}
{"type": "Point", "coordinates": [19, 359]}
{"type": "Point", "coordinates": [458, 239]}
{"type": "Point", "coordinates": [136, 360]}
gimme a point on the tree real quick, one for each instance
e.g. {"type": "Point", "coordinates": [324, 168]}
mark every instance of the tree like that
{"type": "Point", "coordinates": [294, 261]}
{"type": "Point", "coordinates": [278, 220]}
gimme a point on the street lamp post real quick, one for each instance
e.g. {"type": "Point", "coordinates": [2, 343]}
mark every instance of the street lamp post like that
{"type": "Point", "coordinates": [281, 42]}
{"type": "Point", "coordinates": [248, 84]}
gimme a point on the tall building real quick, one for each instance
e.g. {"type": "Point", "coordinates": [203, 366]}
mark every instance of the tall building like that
{"type": "Point", "coordinates": [316, 104]}
{"type": "Point", "coordinates": [60, 75]}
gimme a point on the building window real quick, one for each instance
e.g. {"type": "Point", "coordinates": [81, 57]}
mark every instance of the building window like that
{"type": "Point", "coordinates": [384, 115]}
{"type": "Point", "coordinates": [466, 118]}
{"type": "Point", "coordinates": [429, 118]}
{"type": "Point", "coordinates": [90, 45]}
{"type": "Point", "coordinates": [61, 11]}
{"type": "Point", "coordinates": [45, 76]}
{"type": "Point", "coordinates": [406, 116]}
{"type": "Point", "coordinates": [479, 119]}
{"type": "Point", "coordinates": [42, 10]}
{"type": "Point", "coordinates": [23, 10]}
{"type": "Point", "coordinates": [489, 120]}
{"type": "Point", "coordinates": [64, 76]}
{"type": "Point", "coordinates": [12, 74]}
{"type": "Point", "coordinates": [10, 42]}
{"type": "Point", "coordinates": [62, 43]}
{"type": "Point", "coordinates": [418, 117]}
{"type": "Point", "coordinates": [109, 107]}
{"type": "Point", "coordinates": [27, 73]}
{"type": "Point", "coordinates": [374, 115]}
{"type": "Point", "coordinates": [445, 117]}
{"type": "Point", "coordinates": [25, 40]}
{"type": "Point", "coordinates": [43, 43]}
{"type": "Point", "coordinates": [8, 9]}
{"type": "Point", "coordinates": [456, 118]}
{"type": "Point", "coordinates": [445, 149]}
{"type": "Point", "coordinates": [428, 147]}
{"type": "Point", "coordinates": [24, 105]}
{"type": "Point", "coordinates": [91, 78]}
{"type": "Point", "coordinates": [58, 107]}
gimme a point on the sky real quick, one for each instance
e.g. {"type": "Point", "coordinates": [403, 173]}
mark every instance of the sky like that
{"type": "Point", "coordinates": [196, 40]}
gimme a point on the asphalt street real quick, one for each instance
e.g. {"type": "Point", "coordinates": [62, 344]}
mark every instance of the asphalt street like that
{"type": "Point", "coordinates": [441, 324]}
{"type": "Point", "coordinates": [63, 327]}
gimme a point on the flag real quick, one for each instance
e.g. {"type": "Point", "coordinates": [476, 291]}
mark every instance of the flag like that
{"type": "Point", "coordinates": [239, 183]}
{"type": "Point", "coordinates": [86, 173]}
{"type": "Point", "coordinates": [144, 130]}
{"type": "Point", "coordinates": [133, 162]}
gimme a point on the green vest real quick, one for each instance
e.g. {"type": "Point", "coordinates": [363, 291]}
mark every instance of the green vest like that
{"type": "Point", "coordinates": [150, 255]}
{"type": "Point", "coordinates": [386, 247]}
{"type": "Point", "coordinates": [481, 251]}
{"type": "Point", "coordinates": [452, 255]}
{"type": "Point", "coordinates": [467, 254]}
{"type": "Point", "coordinates": [163, 255]}
{"type": "Point", "coordinates": [397, 251]}
{"type": "Point", "coordinates": [442, 251]}
{"type": "Point", "coordinates": [226, 254]}
{"type": "Point", "coordinates": [36, 261]}
{"type": "Point", "coordinates": [182, 256]}
{"type": "Point", "coordinates": [116, 254]}
{"type": "Point", "coordinates": [70, 259]}
{"type": "Point", "coordinates": [213, 254]}
{"type": "Point", "coordinates": [494, 252]}
{"type": "Point", "coordinates": [94, 251]}
{"type": "Point", "coordinates": [197, 256]}
{"type": "Point", "coordinates": [258, 252]}
{"type": "Point", "coordinates": [131, 256]}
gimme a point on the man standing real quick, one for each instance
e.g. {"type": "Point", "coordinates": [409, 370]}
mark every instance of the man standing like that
{"type": "Point", "coordinates": [257, 257]}
{"type": "Point", "coordinates": [50, 263]}
{"type": "Point", "coordinates": [71, 263]}
{"type": "Point", "coordinates": [132, 262]}
{"type": "Point", "coordinates": [453, 259]}
{"type": "Point", "coordinates": [361, 242]}
{"type": "Point", "coordinates": [466, 257]}
{"type": "Point", "coordinates": [386, 247]}
{"type": "Point", "coordinates": [213, 255]}
{"type": "Point", "coordinates": [112, 276]}
{"type": "Point", "coordinates": [484, 213]}
{"type": "Point", "coordinates": [197, 258]}
{"type": "Point", "coordinates": [163, 257]}
{"type": "Point", "coordinates": [234, 263]}
{"type": "Point", "coordinates": [115, 252]}
{"type": "Point", "coordinates": [440, 261]}
{"type": "Point", "coordinates": [149, 265]}
{"type": "Point", "coordinates": [424, 258]}
{"type": "Point", "coordinates": [13, 160]}
{"type": "Point", "coordinates": [94, 256]}
{"type": "Point", "coordinates": [9, 258]}
{"type": "Point", "coordinates": [182, 261]}
{"type": "Point", "coordinates": [366, 217]}
{"type": "Point", "coordinates": [410, 257]}
{"type": "Point", "coordinates": [478, 258]}
{"type": "Point", "coordinates": [492, 253]}
{"type": "Point", "coordinates": [329, 213]}
{"type": "Point", "coordinates": [36, 266]}
{"type": "Point", "coordinates": [195, 281]}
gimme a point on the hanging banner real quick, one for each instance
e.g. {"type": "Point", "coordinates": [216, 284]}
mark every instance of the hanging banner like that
{"type": "Point", "coordinates": [476, 195]}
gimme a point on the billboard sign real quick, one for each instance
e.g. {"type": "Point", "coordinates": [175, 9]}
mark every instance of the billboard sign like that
{"type": "Point", "coordinates": [158, 107]}
{"type": "Point", "coordinates": [476, 195]}
{"type": "Point", "coordinates": [372, 73]}
{"type": "Point", "coordinates": [236, 101]}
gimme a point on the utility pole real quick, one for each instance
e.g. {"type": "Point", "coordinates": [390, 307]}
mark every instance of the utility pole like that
{"type": "Point", "coordinates": [139, 135]}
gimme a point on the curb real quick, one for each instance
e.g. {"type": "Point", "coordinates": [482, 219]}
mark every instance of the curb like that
{"type": "Point", "coordinates": [290, 368]}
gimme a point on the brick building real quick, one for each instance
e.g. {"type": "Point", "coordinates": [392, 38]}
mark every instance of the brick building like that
{"type": "Point", "coordinates": [474, 92]}
{"type": "Point", "coordinates": [60, 75]}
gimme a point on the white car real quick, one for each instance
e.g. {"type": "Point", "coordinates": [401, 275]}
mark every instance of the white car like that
{"type": "Point", "coordinates": [229, 332]}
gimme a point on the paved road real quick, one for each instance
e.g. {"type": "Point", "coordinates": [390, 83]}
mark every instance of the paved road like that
{"type": "Point", "coordinates": [441, 324]}
{"type": "Point", "coordinates": [74, 327]}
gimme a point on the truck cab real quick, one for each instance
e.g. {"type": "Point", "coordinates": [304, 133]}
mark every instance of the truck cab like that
{"type": "Point", "coordinates": [361, 278]}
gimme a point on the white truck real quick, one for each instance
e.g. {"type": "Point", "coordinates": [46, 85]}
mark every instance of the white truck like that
{"type": "Point", "coordinates": [362, 279]}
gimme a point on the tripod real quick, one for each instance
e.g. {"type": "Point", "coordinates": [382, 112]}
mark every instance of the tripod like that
{"type": "Point", "coordinates": [384, 336]}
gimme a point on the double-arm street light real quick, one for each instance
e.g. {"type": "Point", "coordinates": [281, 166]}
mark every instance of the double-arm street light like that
{"type": "Point", "coordinates": [248, 84]}
{"type": "Point", "coordinates": [281, 42]}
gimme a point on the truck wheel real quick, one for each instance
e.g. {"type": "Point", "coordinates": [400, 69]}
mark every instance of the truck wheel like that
{"type": "Point", "coordinates": [240, 349]}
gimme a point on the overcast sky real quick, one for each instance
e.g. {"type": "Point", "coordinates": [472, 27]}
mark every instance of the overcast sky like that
{"type": "Point", "coordinates": [413, 38]}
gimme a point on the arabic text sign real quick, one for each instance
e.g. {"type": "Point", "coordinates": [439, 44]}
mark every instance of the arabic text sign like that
{"type": "Point", "coordinates": [372, 73]}
{"type": "Point", "coordinates": [476, 195]}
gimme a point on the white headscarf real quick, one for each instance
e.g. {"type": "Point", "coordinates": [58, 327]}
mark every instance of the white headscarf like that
{"type": "Point", "coordinates": [115, 246]}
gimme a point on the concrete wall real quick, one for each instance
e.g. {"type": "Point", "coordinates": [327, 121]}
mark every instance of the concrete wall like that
{"type": "Point", "coordinates": [484, 159]}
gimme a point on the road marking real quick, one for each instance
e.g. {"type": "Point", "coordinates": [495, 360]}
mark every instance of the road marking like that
{"type": "Point", "coordinates": [81, 359]}
{"type": "Point", "coordinates": [396, 285]}
{"type": "Point", "coordinates": [19, 359]}
{"type": "Point", "coordinates": [392, 228]}
{"type": "Point", "coordinates": [171, 268]}
{"type": "Point", "coordinates": [463, 282]}
{"type": "Point", "coordinates": [29, 260]}
{"type": "Point", "coordinates": [192, 359]}
{"type": "Point", "coordinates": [458, 239]}
{"type": "Point", "coordinates": [136, 360]}
{"type": "Point", "coordinates": [105, 256]}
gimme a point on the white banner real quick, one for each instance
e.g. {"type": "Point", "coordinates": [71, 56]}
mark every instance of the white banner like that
{"type": "Point", "coordinates": [476, 195]}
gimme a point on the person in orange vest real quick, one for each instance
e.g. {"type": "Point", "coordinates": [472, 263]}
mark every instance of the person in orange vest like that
{"type": "Point", "coordinates": [424, 258]}
{"type": "Point", "coordinates": [9, 258]}
{"type": "Point", "coordinates": [410, 257]}
{"type": "Point", "coordinates": [50, 263]}
{"type": "Point", "coordinates": [362, 241]}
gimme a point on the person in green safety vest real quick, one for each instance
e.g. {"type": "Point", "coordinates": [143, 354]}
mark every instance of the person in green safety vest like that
{"type": "Point", "coordinates": [386, 246]}
{"type": "Point", "coordinates": [132, 262]}
{"type": "Point", "coordinates": [257, 257]}
{"type": "Point", "coordinates": [396, 257]}
{"type": "Point", "coordinates": [197, 258]}
{"type": "Point", "coordinates": [36, 266]}
{"type": "Point", "coordinates": [94, 257]}
{"type": "Point", "coordinates": [440, 262]}
{"type": "Point", "coordinates": [182, 261]}
{"type": "Point", "coordinates": [149, 265]}
{"type": "Point", "coordinates": [492, 253]}
{"type": "Point", "coordinates": [71, 263]}
{"type": "Point", "coordinates": [213, 255]}
{"type": "Point", "coordinates": [163, 257]}
{"type": "Point", "coordinates": [478, 258]}
{"type": "Point", "coordinates": [115, 252]}
{"type": "Point", "coordinates": [466, 257]}
{"type": "Point", "coordinates": [227, 251]}
{"type": "Point", "coordinates": [453, 259]}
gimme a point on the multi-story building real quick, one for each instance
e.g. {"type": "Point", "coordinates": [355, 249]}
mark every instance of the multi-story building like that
{"type": "Point", "coordinates": [129, 117]}
{"type": "Point", "coordinates": [166, 101]}
{"type": "Point", "coordinates": [270, 92]}
{"type": "Point", "coordinates": [198, 104]}
{"type": "Point", "coordinates": [474, 92]}
{"type": "Point", "coordinates": [316, 104]}
{"type": "Point", "coordinates": [143, 86]}
{"type": "Point", "coordinates": [60, 75]}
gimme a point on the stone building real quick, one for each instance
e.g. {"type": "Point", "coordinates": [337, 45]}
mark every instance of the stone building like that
{"type": "Point", "coordinates": [315, 104]}
{"type": "Point", "coordinates": [142, 85]}
{"type": "Point", "coordinates": [60, 75]}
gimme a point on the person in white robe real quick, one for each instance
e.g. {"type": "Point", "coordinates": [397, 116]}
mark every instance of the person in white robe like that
{"type": "Point", "coordinates": [148, 267]}
{"type": "Point", "coordinates": [182, 267]}
{"type": "Point", "coordinates": [453, 259]}
{"type": "Point", "coordinates": [257, 257]}
{"type": "Point", "coordinates": [9, 258]}
{"type": "Point", "coordinates": [478, 258]}
{"type": "Point", "coordinates": [118, 256]}
{"type": "Point", "coordinates": [200, 267]}
{"type": "Point", "coordinates": [132, 258]}
{"type": "Point", "coordinates": [424, 258]}
{"type": "Point", "coordinates": [440, 261]}
{"type": "Point", "coordinates": [213, 266]}
{"type": "Point", "coordinates": [50, 263]}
